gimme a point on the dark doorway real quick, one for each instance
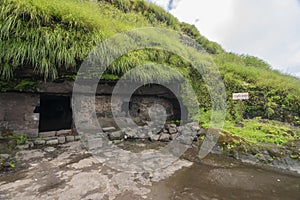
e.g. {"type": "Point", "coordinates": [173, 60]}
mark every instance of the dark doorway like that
{"type": "Point", "coordinates": [55, 113]}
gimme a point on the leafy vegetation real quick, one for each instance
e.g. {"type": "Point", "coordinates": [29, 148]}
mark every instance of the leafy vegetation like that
{"type": "Point", "coordinates": [51, 38]}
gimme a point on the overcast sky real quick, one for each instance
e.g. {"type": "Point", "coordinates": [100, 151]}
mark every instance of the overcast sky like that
{"type": "Point", "coordinates": [268, 29]}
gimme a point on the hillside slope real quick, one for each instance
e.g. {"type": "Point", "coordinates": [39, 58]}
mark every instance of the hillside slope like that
{"type": "Point", "coordinates": [51, 38]}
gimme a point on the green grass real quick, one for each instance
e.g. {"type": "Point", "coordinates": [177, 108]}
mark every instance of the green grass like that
{"type": "Point", "coordinates": [272, 132]}
{"type": "Point", "coordinates": [53, 37]}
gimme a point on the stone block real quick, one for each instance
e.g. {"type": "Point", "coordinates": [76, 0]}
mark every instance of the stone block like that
{"type": "Point", "coordinates": [47, 134]}
{"type": "Point", "coordinates": [77, 137]}
{"type": "Point", "coordinates": [61, 139]}
{"type": "Point", "coordinates": [52, 142]}
{"type": "Point", "coordinates": [70, 138]}
{"type": "Point", "coordinates": [64, 132]}
{"type": "Point", "coordinates": [39, 142]}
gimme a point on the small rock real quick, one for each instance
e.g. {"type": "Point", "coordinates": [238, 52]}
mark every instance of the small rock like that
{"type": "Point", "coordinates": [50, 149]}
{"type": "Point", "coordinates": [47, 134]}
{"type": "Point", "coordinates": [39, 142]}
{"type": "Point", "coordinates": [164, 137]}
{"type": "Point", "coordinates": [70, 138]}
{"type": "Point", "coordinates": [61, 139]}
{"type": "Point", "coordinates": [109, 129]}
{"type": "Point", "coordinates": [52, 142]}
{"type": "Point", "coordinates": [117, 135]}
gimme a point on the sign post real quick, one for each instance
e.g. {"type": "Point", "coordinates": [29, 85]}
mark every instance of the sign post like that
{"type": "Point", "coordinates": [240, 97]}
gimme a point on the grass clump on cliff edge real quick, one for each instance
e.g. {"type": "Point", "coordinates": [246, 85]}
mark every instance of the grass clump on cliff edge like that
{"type": "Point", "coordinates": [56, 34]}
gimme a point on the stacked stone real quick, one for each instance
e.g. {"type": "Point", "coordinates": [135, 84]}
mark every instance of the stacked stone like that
{"type": "Point", "coordinates": [185, 133]}
{"type": "Point", "coordinates": [56, 137]}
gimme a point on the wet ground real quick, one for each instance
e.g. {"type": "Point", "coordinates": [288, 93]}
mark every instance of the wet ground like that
{"type": "Point", "coordinates": [224, 178]}
{"type": "Point", "coordinates": [69, 172]}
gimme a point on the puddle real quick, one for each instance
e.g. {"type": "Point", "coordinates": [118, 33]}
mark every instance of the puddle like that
{"type": "Point", "coordinates": [219, 178]}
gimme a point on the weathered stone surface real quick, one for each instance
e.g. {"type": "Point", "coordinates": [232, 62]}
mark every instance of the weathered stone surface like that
{"type": "Point", "coordinates": [16, 112]}
{"type": "Point", "coordinates": [109, 129]}
{"type": "Point", "coordinates": [70, 138]}
{"type": "Point", "coordinates": [39, 142]}
{"type": "Point", "coordinates": [117, 135]}
{"type": "Point", "coordinates": [52, 142]}
{"type": "Point", "coordinates": [47, 134]}
{"type": "Point", "coordinates": [49, 149]}
{"type": "Point", "coordinates": [186, 139]}
{"type": "Point", "coordinates": [63, 132]}
{"type": "Point", "coordinates": [61, 139]}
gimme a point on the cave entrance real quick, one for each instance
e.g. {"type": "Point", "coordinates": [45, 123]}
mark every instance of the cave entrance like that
{"type": "Point", "coordinates": [55, 113]}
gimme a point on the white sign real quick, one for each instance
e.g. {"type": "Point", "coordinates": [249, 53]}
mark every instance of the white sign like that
{"type": "Point", "coordinates": [240, 96]}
